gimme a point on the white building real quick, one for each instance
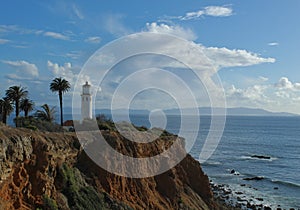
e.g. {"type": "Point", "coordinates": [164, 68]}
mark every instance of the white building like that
{"type": "Point", "coordinates": [86, 102]}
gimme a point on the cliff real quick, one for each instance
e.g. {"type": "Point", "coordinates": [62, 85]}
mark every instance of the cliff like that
{"type": "Point", "coordinates": [42, 170]}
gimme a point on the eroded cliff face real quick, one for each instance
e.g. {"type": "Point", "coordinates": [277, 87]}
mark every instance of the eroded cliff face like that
{"type": "Point", "coordinates": [51, 171]}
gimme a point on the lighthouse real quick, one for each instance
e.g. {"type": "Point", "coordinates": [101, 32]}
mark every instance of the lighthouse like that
{"type": "Point", "coordinates": [86, 102]}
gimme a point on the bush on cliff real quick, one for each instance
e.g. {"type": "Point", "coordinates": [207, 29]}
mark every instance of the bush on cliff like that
{"type": "Point", "coordinates": [36, 124]}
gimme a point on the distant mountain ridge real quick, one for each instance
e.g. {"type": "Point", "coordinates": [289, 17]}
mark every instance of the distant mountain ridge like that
{"type": "Point", "coordinates": [238, 111]}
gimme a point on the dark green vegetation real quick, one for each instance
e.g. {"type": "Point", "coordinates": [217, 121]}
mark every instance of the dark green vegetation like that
{"type": "Point", "coordinates": [34, 123]}
{"type": "Point", "coordinates": [82, 196]}
{"type": "Point", "coordinates": [16, 98]}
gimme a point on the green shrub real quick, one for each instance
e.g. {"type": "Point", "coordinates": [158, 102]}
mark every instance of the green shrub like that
{"type": "Point", "coordinates": [79, 195]}
{"type": "Point", "coordinates": [36, 124]}
{"type": "Point", "coordinates": [31, 127]}
{"type": "Point", "coordinates": [49, 204]}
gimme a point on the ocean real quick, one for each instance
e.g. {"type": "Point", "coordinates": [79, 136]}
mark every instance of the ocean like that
{"type": "Point", "coordinates": [277, 138]}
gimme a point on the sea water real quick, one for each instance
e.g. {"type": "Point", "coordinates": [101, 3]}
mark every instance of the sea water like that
{"type": "Point", "coordinates": [277, 138]}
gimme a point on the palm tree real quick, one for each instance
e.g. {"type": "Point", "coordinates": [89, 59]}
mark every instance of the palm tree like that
{"type": "Point", "coordinates": [61, 86]}
{"type": "Point", "coordinates": [15, 94]}
{"type": "Point", "coordinates": [27, 106]}
{"type": "Point", "coordinates": [47, 114]}
{"type": "Point", "coordinates": [5, 108]}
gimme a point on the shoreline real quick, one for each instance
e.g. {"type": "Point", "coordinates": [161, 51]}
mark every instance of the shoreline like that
{"type": "Point", "coordinates": [230, 199]}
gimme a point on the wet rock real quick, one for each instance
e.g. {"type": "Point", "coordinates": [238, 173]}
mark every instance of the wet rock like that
{"type": "Point", "coordinates": [275, 188]}
{"type": "Point", "coordinates": [232, 171]}
{"type": "Point", "coordinates": [259, 199]}
{"type": "Point", "coordinates": [267, 208]}
{"type": "Point", "coordinates": [251, 206]}
{"type": "Point", "coordinates": [239, 193]}
{"type": "Point", "coordinates": [261, 157]}
{"type": "Point", "coordinates": [256, 178]}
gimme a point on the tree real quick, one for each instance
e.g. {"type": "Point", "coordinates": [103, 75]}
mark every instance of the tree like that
{"type": "Point", "coordinates": [6, 108]}
{"type": "Point", "coordinates": [61, 86]}
{"type": "Point", "coordinates": [27, 106]}
{"type": "Point", "coordinates": [15, 94]}
{"type": "Point", "coordinates": [47, 114]}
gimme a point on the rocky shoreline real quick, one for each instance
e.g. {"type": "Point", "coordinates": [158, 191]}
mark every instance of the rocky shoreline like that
{"type": "Point", "coordinates": [236, 200]}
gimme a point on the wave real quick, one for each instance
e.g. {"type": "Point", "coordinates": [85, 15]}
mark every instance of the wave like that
{"type": "Point", "coordinates": [267, 179]}
{"type": "Point", "coordinates": [286, 183]}
{"type": "Point", "coordinates": [211, 163]}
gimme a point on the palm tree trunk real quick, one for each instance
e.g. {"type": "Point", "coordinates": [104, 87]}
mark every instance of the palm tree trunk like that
{"type": "Point", "coordinates": [4, 117]}
{"type": "Point", "coordinates": [26, 113]}
{"type": "Point", "coordinates": [17, 108]}
{"type": "Point", "coordinates": [61, 108]}
{"type": "Point", "coordinates": [17, 111]}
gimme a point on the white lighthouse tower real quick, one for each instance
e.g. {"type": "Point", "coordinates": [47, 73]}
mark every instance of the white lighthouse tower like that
{"type": "Point", "coordinates": [86, 102]}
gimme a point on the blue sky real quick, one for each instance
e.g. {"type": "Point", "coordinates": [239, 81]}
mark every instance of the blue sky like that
{"type": "Point", "coordinates": [255, 44]}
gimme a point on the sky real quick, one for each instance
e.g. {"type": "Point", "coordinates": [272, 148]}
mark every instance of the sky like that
{"type": "Point", "coordinates": [254, 45]}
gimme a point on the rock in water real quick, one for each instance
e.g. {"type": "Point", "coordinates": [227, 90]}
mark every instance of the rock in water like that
{"type": "Point", "coordinates": [261, 157]}
{"type": "Point", "coordinates": [256, 178]}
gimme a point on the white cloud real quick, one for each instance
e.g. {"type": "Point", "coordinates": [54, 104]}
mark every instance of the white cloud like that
{"type": "Point", "coordinates": [4, 41]}
{"type": "Point", "coordinates": [215, 11]}
{"type": "Point", "coordinates": [219, 57]}
{"type": "Point", "coordinates": [253, 94]}
{"type": "Point", "coordinates": [205, 62]}
{"type": "Point", "coordinates": [66, 71]}
{"type": "Point", "coordinates": [18, 29]}
{"type": "Point", "coordinates": [273, 43]}
{"type": "Point", "coordinates": [93, 39]}
{"type": "Point", "coordinates": [224, 57]}
{"type": "Point", "coordinates": [174, 30]}
{"type": "Point", "coordinates": [263, 79]}
{"type": "Point", "coordinates": [114, 25]}
{"type": "Point", "coordinates": [77, 12]}
{"type": "Point", "coordinates": [285, 83]}
{"type": "Point", "coordinates": [55, 35]}
{"type": "Point", "coordinates": [218, 11]}
{"type": "Point", "coordinates": [24, 69]}
{"type": "Point", "coordinates": [281, 97]}
{"type": "Point", "coordinates": [74, 54]}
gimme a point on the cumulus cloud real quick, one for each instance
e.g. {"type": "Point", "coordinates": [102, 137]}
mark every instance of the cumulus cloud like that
{"type": "Point", "coordinates": [283, 96]}
{"type": "Point", "coordinates": [219, 57]}
{"type": "Point", "coordinates": [23, 69]}
{"type": "Point", "coordinates": [174, 30]}
{"type": "Point", "coordinates": [93, 39]}
{"type": "Point", "coordinates": [55, 35]}
{"type": "Point", "coordinates": [285, 83]}
{"type": "Point", "coordinates": [253, 94]}
{"type": "Point", "coordinates": [66, 71]}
